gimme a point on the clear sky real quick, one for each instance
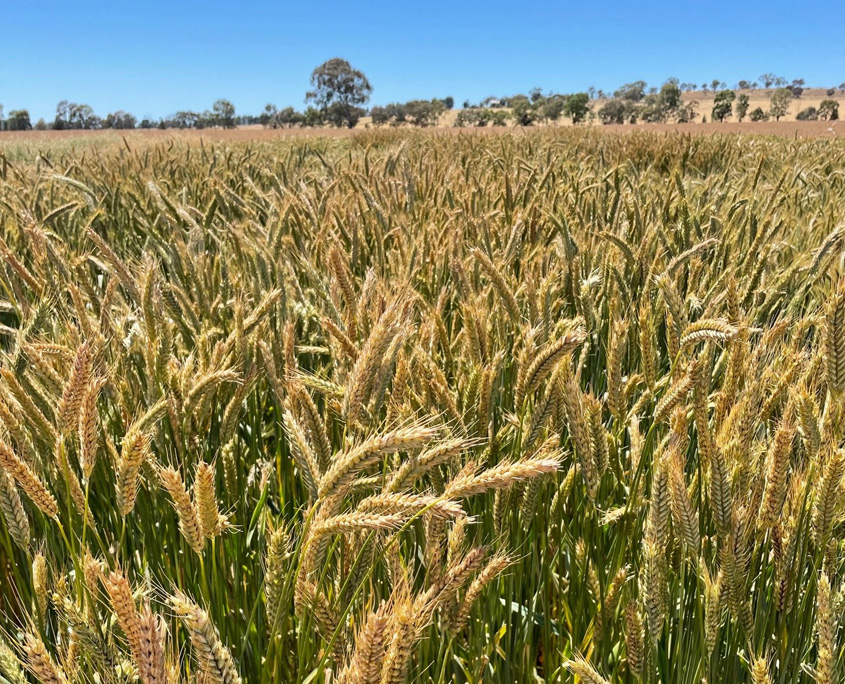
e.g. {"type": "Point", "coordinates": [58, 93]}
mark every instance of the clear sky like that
{"type": "Point", "coordinates": [155, 57]}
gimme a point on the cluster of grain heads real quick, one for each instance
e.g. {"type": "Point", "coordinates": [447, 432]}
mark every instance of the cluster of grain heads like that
{"type": "Point", "coordinates": [13, 511]}
{"type": "Point", "coordinates": [190, 524]}
{"type": "Point", "coordinates": [212, 521]}
{"type": "Point", "coordinates": [133, 453]}
{"type": "Point", "coordinates": [684, 513]}
{"type": "Point", "coordinates": [345, 467]}
{"type": "Point", "coordinates": [142, 629]}
{"type": "Point", "coordinates": [825, 499]}
{"type": "Point", "coordinates": [495, 566]}
{"type": "Point", "coordinates": [40, 583]}
{"type": "Point", "coordinates": [455, 580]}
{"type": "Point", "coordinates": [10, 666]}
{"type": "Point", "coordinates": [370, 644]}
{"type": "Point", "coordinates": [826, 653]}
{"type": "Point", "coordinates": [88, 432]}
{"type": "Point", "coordinates": [278, 559]}
{"type": "Point", "coordinates": [834, 342]}
{"type": "Point", "coordinates": [713, 607]}
{"type": "Point", "coordinates": [28, 481]}
{"type": "Point", "coordinates": [471, 482]}
{"type": "Point", "coordinates": [75, 389]}
{"type": "Point", "coordinates": [544, 362]}
{"type": "Point", "coordinates": [777, 463]}
{"type": "Point", "coordinates": [40, 663]}
{"type": "Point", "coordinates": [634, 639]}
{"type": "Point", "coordinates": [404, 626]}
{"type": "Point", "coordinates": [213, 657]}
{"type": "Point", "coordinates": [583, 669]}
{"type": "Point", "coordinates": [760, 671]}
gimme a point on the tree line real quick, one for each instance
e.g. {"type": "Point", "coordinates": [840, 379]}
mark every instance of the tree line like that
{"type": "Point", "coordinates": [78, 116]}
{"type": "Point", "coordinates": [631, 103]}
{"type": "Point", "coordinates": [339, 94]}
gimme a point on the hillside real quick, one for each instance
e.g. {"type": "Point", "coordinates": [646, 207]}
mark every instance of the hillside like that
{"type": "Point", "coordinates": [811, 97]}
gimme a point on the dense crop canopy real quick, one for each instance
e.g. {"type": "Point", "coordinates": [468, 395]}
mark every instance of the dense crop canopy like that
{"type": "Point", "coordinates": [429, 408]}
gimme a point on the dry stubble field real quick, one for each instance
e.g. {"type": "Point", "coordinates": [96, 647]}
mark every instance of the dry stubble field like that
{"type": "Point", "coordinates": [405, 407]}
{"type": "Point", "coordinates": [31, 142]}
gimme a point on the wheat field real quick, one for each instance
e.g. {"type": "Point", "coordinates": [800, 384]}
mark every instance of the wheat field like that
{"type": "Point", "coordinates": [407, 407]}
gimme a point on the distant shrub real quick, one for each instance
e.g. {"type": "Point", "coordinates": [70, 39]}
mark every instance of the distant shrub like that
{"type": "Point", "coordinates": [313, 117]}
{"type": "Point", "coordinates": [379, 116]}
{"type": "Point", "coordinates": [723, 105]}
{"type": "Point", "coordinates": [498, 118]}
{"type": "Point", "coordinates": [289, 117]}
{"type": "Point", "coordinates": [475, 117]}
{"type": "Point", "coordinates": [670, 97]}
{"type": "Point", "coordinates": [552, 108]}
{"type": "Point", "coordinates": [522, 111]}
{"type": "Point", "coordinates": [613, 112]}
{"type": "Point", "coordinates": [423, 113]}
{"type": "Point", "coordinates": [119, 120]}
{"type": "Point", "coordinates": [829, 110]}
{"type": "Point", "coordinates": [742, 105]}
{"type": "Point", "coordinates": [687, 112]}
{"type": "Point", "coordinates": [781, 99]}
{"type": "Point", "coordinates": [577, 107]}
{"type": "Point", "coordinates": [651, 111]}
{"type": "Point", "coordinates": [759, 114]}
{"type": "Point", "coordinates": [18, 120]}
{"type": "Point", "coordinates": [341, 115]}
{"type": "Point", "coordinates": [808, 114]}
{"type": "Point", "coordinates": [633, 92]}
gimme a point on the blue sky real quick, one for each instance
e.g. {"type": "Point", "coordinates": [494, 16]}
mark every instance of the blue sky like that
{"type": "Point", "coordinates": [155, 57]}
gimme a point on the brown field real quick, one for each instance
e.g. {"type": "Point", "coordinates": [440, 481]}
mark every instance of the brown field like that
{"type": "Point", "coordinates": [791, 129]}
{"type": "Point", "coordinates": [34, 141]}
